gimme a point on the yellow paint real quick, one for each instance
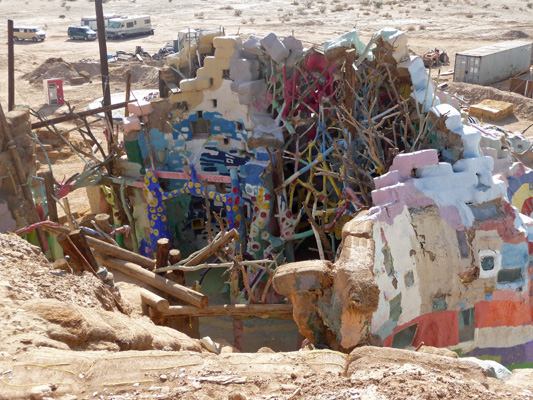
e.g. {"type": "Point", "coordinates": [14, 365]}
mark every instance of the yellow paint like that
{"type": "Point", "coordinates": [521, 195]}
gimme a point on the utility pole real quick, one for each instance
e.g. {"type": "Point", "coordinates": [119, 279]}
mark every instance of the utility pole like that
{"type": "Point", "coordinates": [10, 66]}
{"type": "Point", "coordinates": [104, 68]}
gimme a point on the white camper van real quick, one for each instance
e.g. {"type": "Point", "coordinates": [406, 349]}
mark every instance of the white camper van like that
{"type": "Point", "coordinates": [91, 21]}
{"type": "Point", "coordinates": [119, 28]}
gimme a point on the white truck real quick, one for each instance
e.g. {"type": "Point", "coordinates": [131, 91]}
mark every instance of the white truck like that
{"type": "Point", "coordinates": [91, 21]}
{"type": "Point", "coordinates": [122, 27]}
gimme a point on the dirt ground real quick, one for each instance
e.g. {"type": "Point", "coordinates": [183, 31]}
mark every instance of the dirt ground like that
{"type": "Point", "coordinates": [63, 338]}
{"type": "Point", "coordinates": [46, 314]}
{"type": "Point", "coordinates": [450, 25]}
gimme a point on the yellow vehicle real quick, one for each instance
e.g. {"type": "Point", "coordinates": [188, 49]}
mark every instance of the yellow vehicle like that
{"type": "Point", "coordinates": [28, 33]}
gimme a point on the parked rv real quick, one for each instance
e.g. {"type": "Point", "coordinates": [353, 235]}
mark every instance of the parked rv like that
{"type": "Point", "coordinates": [119, 28]}
{"type": "Point", "coordinates": [91, 21]}
{"type": "Point", "coordinates": [28, 33]}
{"type": "Point", "coordinates": [81, 32]}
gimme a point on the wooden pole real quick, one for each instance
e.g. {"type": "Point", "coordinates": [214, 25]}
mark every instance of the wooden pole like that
{"type": "Point", "coordinates": [70, 249]}
{"type": "Point", "coordinates": [50, 201]}
{"type": "Point", "coordinates": [214, 246]}
{"type": "Point", "coordinates": [178, 291]}
{"type": "Point", "coordinates": [102, 220]}
{"type": "Point", "coordinates": [163, 248]}
{"type": "Point", "coordinates": [155, 301]}
{"type": "Point", "coordinates": [121, 253]}
{"type": "Point", "coordinates": [128, 90]}
{"type": "Point", "coordinates": [10, 66]}
{"type": "Point", "coordinates": [78, 238]}
{"type": "Point", "coordinates": [104, 68]}
{"type": "Point", "coordinates": [280, 311]}
{"type": "Point", "coordinates": [174, 256]}
{"type": "Point", "coordinates": [70, 218]}
{"type": "Point", "coordinates": [108, 248]}
{"type": "Point", "coordinates": [81, 114]}
{"type": "Point", "coordinates": [78, 258]}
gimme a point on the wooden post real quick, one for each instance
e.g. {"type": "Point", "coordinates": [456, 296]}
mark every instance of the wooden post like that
{"type": "Point", "coordinates": [177, 276]}
{"type": "Point", "coordinates": [163, 248]}
{"type": "Point", "coordinates": [10, 66]}
{"type": "Point", "coordinates": [108, 248]}
{"type": "Point", "coordinates": [81, 114]}
{"type": "Point", "coordinates": [49, 187]}
{"type": "Point", "coordinates": [238, 330]}
{"type": "Point", "coordinates": [70, 249]}
{"type": "Point", "coordinates": [174, 256]}
{"type": "Point", "coordinates": [128, 90]}
{"type": "Point", "coordinates": [214, 246]}
{"type": "Point", "coordinates": [102, 220]}
{"type": "Point", "coordinates": [153, 300]}
{"type": "Point", "coordinates": [70, 219]}
{"type": "Point", "coordinates": [104, 68]}
{"type": "Point", "coordinates": [78, 238]}
{"type": "Point", "coordinates": [178, 291]}
{"type": "Point", "coordinates": [281, 311]}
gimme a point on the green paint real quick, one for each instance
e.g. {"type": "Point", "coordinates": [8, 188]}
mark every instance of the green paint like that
{"type": "Point", "coordinates": [133, 151]}
{"type": "Point", "coordinates": [489, 357]}
{"type": "Point", "coordinates": [439, 303]}
{"type": "Point", "coordinates": [520, 366]}
{"type": "Point", "coordinates": [177, 211]}
{"type": "Point", "coordinates": [405, 337]}
{"type": "Point", "coordinates": [466, 325]}
{"type": "Point", "coordinates": [510, 275]}
{"type": "Point", "coordinates": [395, 307]}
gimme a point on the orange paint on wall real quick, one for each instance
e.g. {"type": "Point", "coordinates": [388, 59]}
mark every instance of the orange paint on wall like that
{"type": "Point", "coordinates": [495, 313]}
{"type": "Point", "coordinates": [438, 329]}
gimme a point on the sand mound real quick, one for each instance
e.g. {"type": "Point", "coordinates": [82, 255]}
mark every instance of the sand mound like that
{"type": "Point", "coordinates": [476, 93]}
{"type": "Point", "coordinates": [511, 35]}
{"type": "Point", "coordinates": [143, 75]}
{"type": "Point", "coordinates": [51, 68]}
{"type": "Point", "coordinates": [52, 308]}
{"type": "Point", "coordinates": [28, 275]}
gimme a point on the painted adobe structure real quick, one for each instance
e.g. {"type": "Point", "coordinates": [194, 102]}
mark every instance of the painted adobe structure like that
{"type": "Point", "coordinates": [442, 257]}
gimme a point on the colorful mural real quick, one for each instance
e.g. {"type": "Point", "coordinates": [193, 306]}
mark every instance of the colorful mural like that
{"type": "Point", "coordinates": [288, 144]}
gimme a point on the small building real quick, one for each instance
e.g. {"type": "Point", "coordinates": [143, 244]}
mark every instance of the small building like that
{"type": "Point", "coordinates": [493, 63]}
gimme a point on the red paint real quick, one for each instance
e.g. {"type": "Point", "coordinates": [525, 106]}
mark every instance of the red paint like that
{"type": "Point", "coordinates": [527, 208]}
{"type": "Point", "coordinates": [267, 197]}
{"type": "Point", "coordinates": [237, 200]}
{"type": "Point", "coordinates": [438, 329]}
{"type": "Point", "coordinates": [230, 201]}
{"type": "Point", "coordinates": [505, 226]}
{"type": "Point", "coordinates": [490, 314]}
{"type": "Point", "coordinates": [235, 189]}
